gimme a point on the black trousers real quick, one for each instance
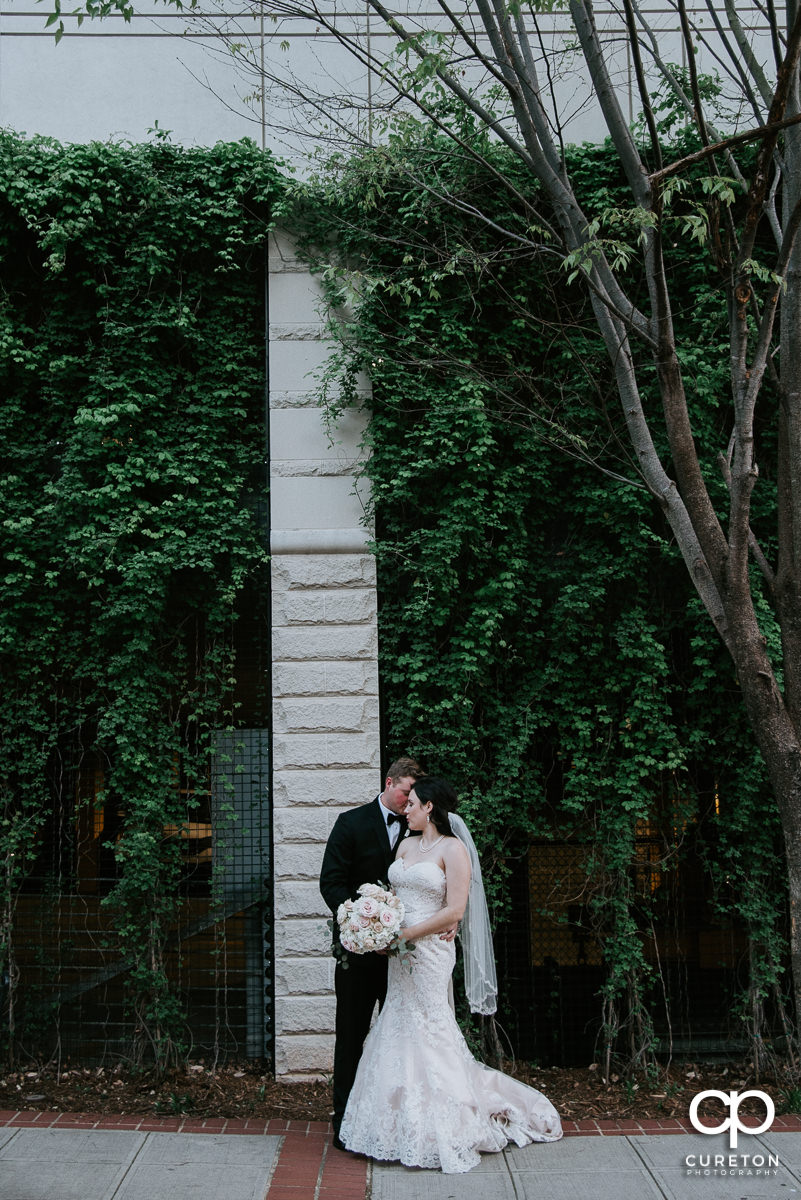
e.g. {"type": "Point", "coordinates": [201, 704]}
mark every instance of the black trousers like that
{"type": "Point", "coordinates": [358, 987]}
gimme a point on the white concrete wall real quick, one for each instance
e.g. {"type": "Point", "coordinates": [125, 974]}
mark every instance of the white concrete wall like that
{"type": "Point", "coordinates": [325, 668]}
{"type": "Point", "coordinates": [112, 79]}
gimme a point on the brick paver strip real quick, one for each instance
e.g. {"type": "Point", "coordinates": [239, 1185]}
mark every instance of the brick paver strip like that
{"type": "Point", "coordinates": [318, 1132]}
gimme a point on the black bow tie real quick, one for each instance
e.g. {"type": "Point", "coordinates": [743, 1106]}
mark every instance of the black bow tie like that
{"type": "Point", "coordinates": [395, 817]}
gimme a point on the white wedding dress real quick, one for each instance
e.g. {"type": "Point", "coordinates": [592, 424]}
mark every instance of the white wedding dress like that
{"type": "Point", "coordinates": [419, 1096]}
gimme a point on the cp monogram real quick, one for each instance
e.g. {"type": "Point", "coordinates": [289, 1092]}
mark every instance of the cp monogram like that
{"type": "Point", "coordinates": [732, 1100]}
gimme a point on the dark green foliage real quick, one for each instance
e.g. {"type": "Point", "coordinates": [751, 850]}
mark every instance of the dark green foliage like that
{"type": "Point", "coordinates": [540, 641]}
{"type": "Point", "coordinates": [131, 433]}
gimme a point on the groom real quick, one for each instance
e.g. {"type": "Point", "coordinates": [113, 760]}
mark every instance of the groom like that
{"type": "Point", "coordinates": [360, 849]}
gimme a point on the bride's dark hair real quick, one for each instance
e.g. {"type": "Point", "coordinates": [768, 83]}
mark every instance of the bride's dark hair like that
{"type": "Point", "coordinates": [430, 789]}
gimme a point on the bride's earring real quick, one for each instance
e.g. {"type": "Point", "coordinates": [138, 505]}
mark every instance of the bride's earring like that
{"type": "Point", "coordinates": [428, 818]}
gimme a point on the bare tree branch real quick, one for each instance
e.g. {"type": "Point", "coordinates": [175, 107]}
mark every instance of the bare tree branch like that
{"type": "Point", "coordinates": [769, 130]}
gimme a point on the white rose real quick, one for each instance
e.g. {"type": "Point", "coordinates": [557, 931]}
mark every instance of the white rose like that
{"type": "Point", "coordinates": [370, 889]}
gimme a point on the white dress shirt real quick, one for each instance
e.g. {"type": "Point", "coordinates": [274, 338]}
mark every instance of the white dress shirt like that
{"type": "Point", "coordinates": [393, 830]}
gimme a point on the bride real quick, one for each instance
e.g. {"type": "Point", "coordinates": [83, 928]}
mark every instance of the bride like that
{"type": "Point", "coordinates": [419, 1095]}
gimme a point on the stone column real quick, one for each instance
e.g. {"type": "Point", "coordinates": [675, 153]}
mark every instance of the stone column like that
{"type": "Point", "coordinates": [325, 673]}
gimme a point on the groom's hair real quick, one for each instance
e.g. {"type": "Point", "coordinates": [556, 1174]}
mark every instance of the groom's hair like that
{"type": "Point", "coordinates": [403, 768]}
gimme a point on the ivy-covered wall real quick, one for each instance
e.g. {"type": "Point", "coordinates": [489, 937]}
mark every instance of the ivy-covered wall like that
{"type": "Point", "coordinates": [132, 435]}
{"type": "Point", "coordinates": [540, 642]}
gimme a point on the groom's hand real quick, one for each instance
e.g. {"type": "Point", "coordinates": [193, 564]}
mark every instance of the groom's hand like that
{"type": "Point", "coordinates": [448, 935]}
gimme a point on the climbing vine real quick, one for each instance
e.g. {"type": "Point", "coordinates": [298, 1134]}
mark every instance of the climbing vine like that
{"type": "Point", "coordinates": [132, 435]}
{"type": "Point", "coordinates": [540, 643]}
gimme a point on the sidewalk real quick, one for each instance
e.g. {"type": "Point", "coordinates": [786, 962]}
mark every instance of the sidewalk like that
{"type": "Point", "coordinates": [62, 1156]}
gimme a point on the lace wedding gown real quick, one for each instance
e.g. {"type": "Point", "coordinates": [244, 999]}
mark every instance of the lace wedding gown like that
{"type": "Point", "coordinates": [419, 1095]}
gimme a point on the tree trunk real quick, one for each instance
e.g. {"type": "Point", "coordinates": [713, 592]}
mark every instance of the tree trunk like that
{"type": "Point", "coordinates": [779, 741]}
{"type": "Point", "coordinates": [782, 731]}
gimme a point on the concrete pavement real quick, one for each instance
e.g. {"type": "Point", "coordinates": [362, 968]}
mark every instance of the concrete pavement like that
{"type": "Point", "coordinates": [60, 1164]}
{"type": "Point", "coordinates": [45, 1161]}
{"type": "Point", "coordinates": [619, 1168]}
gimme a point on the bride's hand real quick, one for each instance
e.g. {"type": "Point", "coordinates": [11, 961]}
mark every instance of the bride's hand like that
{"type": "Point", "coordinates": [448, 935]}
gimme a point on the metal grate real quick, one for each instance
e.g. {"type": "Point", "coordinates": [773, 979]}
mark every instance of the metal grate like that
{"type": "Point", "coordinates": [242, 874]}
{"type": "Point", "coordinates": [551, 963]}
{"type": "Point", "coordinates": [70, 995]}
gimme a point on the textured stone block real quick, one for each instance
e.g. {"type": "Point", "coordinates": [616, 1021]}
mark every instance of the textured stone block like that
{"type": "Point", "coordinates": [337, 715]}
{"type": "Point", "coordinates": [331, 791]}
{"type": "Point", "coordinates": [350, 607]}
{"type": "Point", "coordinates": [299, 679]}
{"type": "Point", "coordinates": [300, 396]}
{"type": "Point", "coordinates": [330, 642]}
{"type": "Point", "coordinates": [303, 750]}
{"type": "Point", "coordinates": [347, 606]}
{"type": "Point", "coordinates": [291, 571]}
{"type": "Point", "coordinates": [297, 331]}
{"type": "Point", "coordinates": [300, 860]}
{"type": "Point", "coordinates": [302, 825]}
{"type": "Point", "coordinates": [304, 976]}
{"type": "Point", "coordinates": [304, 1056]}
{"type": "Point", "coordinates": [303, 937]}
{"type": "Point", "coordinates": [304, 1014]}
{"type": "Point", "coordinates": [298, 608]}
{"type": "Point", "coordinates": [295, 898]}
{"type": "Point", "coordinates": [350, 677]}
{"type": "Point", "coordinates": [293, 399]}
{"type": "Point", "coordinates": [299, 750]}
{"type": "Point", "coordinates": [287, 468]}
{"type": "Point", "coordinates": [322, 678]}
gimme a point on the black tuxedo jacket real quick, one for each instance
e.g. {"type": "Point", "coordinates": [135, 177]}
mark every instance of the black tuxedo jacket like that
{"type": "Point", "coordinates": [358, 851]}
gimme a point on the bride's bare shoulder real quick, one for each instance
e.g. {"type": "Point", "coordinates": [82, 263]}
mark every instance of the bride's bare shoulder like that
{"type": "Point", "coordinates": [454, 853]}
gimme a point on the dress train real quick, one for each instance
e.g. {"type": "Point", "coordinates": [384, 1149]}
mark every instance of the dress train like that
{"type": "Point", "coordinates": [419, 1096]}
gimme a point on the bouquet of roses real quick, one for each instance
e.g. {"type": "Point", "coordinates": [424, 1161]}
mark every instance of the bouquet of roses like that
{"type": "Point", "coordinates": [373, 922]}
